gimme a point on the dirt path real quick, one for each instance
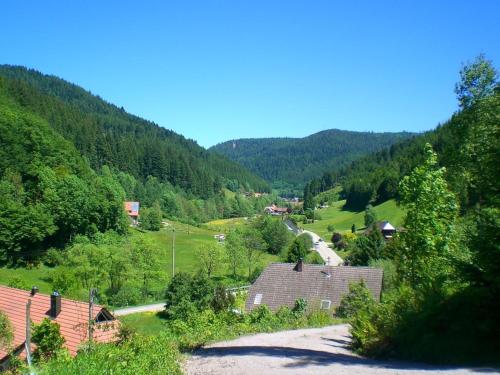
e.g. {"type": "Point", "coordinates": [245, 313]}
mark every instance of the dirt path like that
{"type": "Point", "coordinates": [138, 309]}
{"type": "Point", "coordinates": [307, 351]}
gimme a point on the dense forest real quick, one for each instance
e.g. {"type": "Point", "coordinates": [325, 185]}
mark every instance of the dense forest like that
{"type": "Point", "coordinates": [107, 135]}
{"type": "Point", "coordinates": [68, 161]}
{"type": "Point", "coordinates": [290, 162]}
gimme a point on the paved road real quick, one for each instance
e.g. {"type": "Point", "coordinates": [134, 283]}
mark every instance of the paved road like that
{"type": "Point", "coordinates": [318, 351]}
{"type": "Point", "coordinates": [138, 309]}
{"type": "Point", "coordinates": [329, 256]}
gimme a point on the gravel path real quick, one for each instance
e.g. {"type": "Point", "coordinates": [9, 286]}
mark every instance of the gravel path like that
{"type": "Point", "coordinates": [138, 309]}
{"type": "Point", "coordinates": [306, 351]}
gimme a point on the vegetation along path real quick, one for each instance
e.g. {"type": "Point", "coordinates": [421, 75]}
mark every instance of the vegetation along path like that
{"type": "Point", "coordinates": [305, 351]}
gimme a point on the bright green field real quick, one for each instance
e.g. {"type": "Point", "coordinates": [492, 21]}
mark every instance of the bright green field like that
{"type": "Point", "coordinates": [224, 225]}
{"type": "Point", "coordinates": [148, 323]}
{"type": "Point", "coordinates": [187, 240]}
{"type": "Point", "coordinates": [342, 220]}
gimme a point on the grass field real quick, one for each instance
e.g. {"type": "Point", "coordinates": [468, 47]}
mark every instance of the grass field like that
{"type": "Point", "coordinates": [224, 225]}
{"type": "Point", "coordinates": [148, 323]}
{"type": "Point", "coordinates": [188, 239]}
{"type": "Point", "coordinates": [342, 220]}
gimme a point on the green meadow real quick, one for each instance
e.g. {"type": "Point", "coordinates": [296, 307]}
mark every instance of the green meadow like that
{"type": "Point", "coordinates": [342, 220]}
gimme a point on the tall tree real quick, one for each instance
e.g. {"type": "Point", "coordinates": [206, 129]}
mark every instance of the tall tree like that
{"type": "Point", "coordinates": [427, 243]}
{"type": "Point", "coordinates": [477, 81]}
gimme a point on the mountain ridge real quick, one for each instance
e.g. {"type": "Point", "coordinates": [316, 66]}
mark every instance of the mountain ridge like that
{"type": "Point", "coordinates": [289, 162]}
{"type": "Point", "coordinates": [107, 135]}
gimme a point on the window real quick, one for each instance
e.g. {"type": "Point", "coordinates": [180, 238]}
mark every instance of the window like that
{"type": "Point", "coordinates": [258, 299]}
{"type": "Point", "coordinates": [325, 304]}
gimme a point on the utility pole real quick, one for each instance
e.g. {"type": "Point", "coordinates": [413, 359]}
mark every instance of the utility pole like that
{"type": "Point", "coordinates": [91, 314]}
{"type": "Point", "coordinates": [173, 250]}
{"type": "Point", "coordinates": [28, 333]}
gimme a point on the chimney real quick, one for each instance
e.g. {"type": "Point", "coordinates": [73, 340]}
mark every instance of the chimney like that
{"type": "Point", "coordinates": [55, 305]}
{"type": "Point", "coordinates": [298, 267]}
{"type": "Point", "coordinates": [34, 290]}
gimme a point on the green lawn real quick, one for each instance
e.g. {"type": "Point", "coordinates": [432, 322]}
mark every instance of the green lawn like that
{"type": "Point", "coordinates": [342, 220]}
{"type": "Point", "coordinates": [30, 277]}
{"type": "Point", "coordinates": [224, 225]}
{"type": "Point", "coordinates": [148, 323]}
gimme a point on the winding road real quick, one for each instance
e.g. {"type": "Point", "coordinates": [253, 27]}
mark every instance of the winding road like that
{"type": "Point", "coordinates": [329, 256]}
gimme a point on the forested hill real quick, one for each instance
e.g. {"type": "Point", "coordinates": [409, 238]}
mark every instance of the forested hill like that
{"type": "Point", "coordinates": [293, 161]}
{"type": "Point", "coordinates": [375, 177]}
{"type": "Point", "coordinates": [107, 135]}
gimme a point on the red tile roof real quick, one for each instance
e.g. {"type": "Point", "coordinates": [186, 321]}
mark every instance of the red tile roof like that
{"type": "Point", "coordinates": [72, 319]}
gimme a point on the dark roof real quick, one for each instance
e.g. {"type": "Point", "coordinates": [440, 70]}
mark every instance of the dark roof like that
{"type": "Point", "coordinates": [280, 285]}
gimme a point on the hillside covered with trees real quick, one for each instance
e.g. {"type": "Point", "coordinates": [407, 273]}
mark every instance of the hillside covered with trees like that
{"type": "Point", "coordinates": [290, 162]}
{"type": "Point", "coordinates": [107, 135]}
{"type": "Point", "coordinates": [375, 177]}
{"type": "Point", "coordinates": [69, 160]}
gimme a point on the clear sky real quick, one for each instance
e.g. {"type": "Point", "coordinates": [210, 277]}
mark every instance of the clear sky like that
{"type": "Point", "coordinates": [219, 70]}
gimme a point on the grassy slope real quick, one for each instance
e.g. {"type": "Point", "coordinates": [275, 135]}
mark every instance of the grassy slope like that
{"type": "Point", "coordinates": [149, 323]}
{"type": "Point", "coordinates": [342, 220]}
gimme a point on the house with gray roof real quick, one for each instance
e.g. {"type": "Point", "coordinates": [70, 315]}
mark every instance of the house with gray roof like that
{"type": "Point", "coordinates": [281, 284]}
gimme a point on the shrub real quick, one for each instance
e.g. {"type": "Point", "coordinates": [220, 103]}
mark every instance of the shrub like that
{"type": "Point", "coordinates": [300, 307]}
{"type": "Point", "coordinates": [314, 258]}
{"type": "Point", "coordinates": [127, 295]}
{"type": "Point", "coordinates": [152, 355]}
{"type": "Point", "coordinates": [48, 339]}
{"type": "Point", "coordinates": [359, 297]}
{"type": "Point", "coordinates": [222, 300]}
{"type": "Point", "coordinates": [19, 283]}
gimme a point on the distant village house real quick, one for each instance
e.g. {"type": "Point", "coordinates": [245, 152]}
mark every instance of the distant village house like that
{"type": "Point", "coordinates": [275, 210]}
{"type": "Point", "coordinates": [72, 317]}
{"type": "Point", "coordinates": [132, 209]}
{"type": "Point", "coordinates": [281, 284]}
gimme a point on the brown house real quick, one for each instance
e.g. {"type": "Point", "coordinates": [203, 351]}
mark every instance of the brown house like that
{"type": "Point", "coordinates": [72, 317]}
{"type": "Point", "coordinates": [281, 284]}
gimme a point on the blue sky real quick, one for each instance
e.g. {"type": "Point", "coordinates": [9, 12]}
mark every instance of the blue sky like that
{"type": "Point", "coordinates": [219, 70]}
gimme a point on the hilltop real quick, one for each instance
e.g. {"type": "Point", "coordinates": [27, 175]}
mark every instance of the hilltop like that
{"type": "Point", "coordinates": [288, 163]}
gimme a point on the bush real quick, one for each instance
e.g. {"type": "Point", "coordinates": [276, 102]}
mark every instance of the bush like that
{"type": "Point", "coordinates": [19, 283]}
{"type": "Point", "coordinates": [359, 297]}
{"type": "Point", "coordinates": [152, 355]}
{"type": "Point", "coordinates": [222, 300]}
{"type": "Point", "coordinates": [314, 258]}
{"type": "Point", "coordinates": [186, 294]}
{"type": "Point", "coordinates": [127, 295]}
{"type": "Point", "coordinates": [48, 339]}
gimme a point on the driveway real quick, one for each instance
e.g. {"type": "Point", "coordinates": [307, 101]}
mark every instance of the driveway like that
{"type": "Point", "coordinates": [318, 351]}
{"type": "Point", "coordinates": [329, 256]}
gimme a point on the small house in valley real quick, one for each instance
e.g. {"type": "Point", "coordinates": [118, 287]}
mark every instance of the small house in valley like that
{"type": "Point", "coordinates": [72, 317]}
{"type": "Point", "coordinates": [281, 284]}
{"type": "Point", "coordinates": [386, 228]}
{"type": "Point", "coordinates": [275, 210]}
{"type": "Point", "coordinates": [132, 209]}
